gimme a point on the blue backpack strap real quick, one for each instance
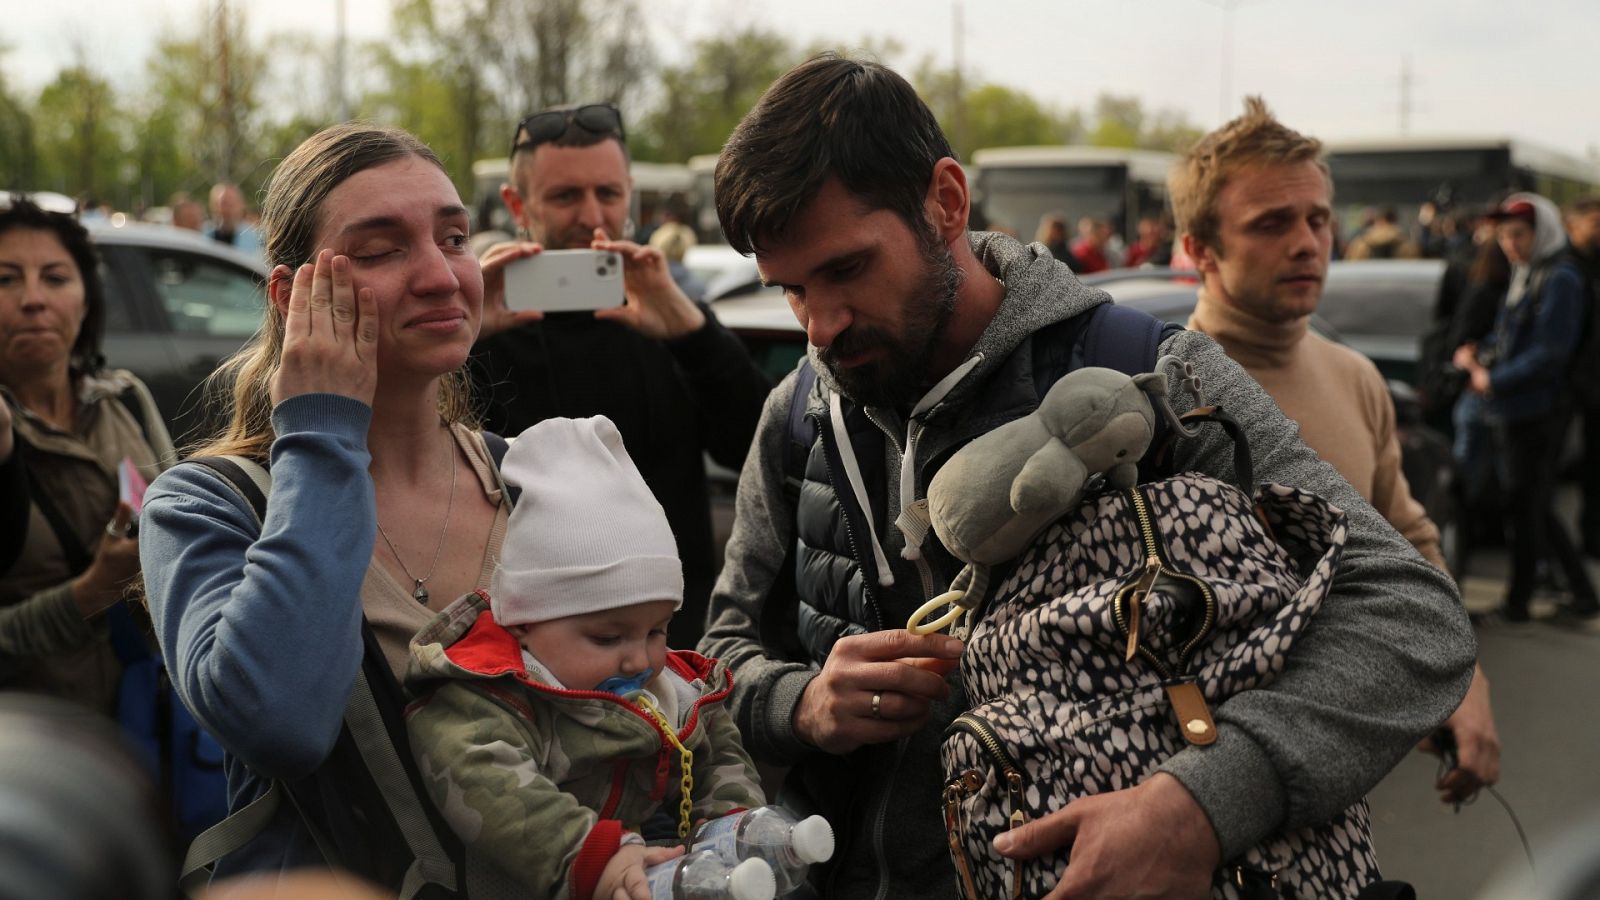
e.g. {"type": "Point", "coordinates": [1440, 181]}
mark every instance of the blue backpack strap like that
{"type": "Point", "coordinates": [801, 432]}
{"type": "Point", "coordinates": [1125, 339]}
{"type": "Point", "coordinates": [1109, 337]}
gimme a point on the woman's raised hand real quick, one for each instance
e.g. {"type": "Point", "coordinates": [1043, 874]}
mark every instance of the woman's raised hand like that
{"type": "Point", "coordinates": [330, 334]}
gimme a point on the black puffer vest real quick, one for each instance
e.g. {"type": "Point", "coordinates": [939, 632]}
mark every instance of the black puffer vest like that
{"type": "Point", "coordinates": [836, 577]}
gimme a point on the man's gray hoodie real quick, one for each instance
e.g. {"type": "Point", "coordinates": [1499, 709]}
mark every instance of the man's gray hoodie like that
{"type": "Point", "coordinates": [1389, 655]}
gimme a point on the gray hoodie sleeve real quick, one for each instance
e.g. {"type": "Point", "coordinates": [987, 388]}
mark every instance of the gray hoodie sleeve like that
{"type": "Point", "coordinates": [765, 689]}
{"type": "Point", "coordinates": [1387, 658]}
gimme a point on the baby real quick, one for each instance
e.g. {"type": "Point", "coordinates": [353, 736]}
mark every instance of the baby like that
{"type": "Point", "coordinates": [552, 724]}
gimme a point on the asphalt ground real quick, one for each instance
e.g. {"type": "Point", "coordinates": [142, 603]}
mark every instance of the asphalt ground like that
{"type": "Point", "coordinates": [1542, 677]}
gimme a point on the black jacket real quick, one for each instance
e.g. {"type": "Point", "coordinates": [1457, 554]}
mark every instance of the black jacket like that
{"type": "Point", "coordinates": [671, 400]}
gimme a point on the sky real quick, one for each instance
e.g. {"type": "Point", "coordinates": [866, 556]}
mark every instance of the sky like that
{"type": "Point", "coordinates": [1331, 68]}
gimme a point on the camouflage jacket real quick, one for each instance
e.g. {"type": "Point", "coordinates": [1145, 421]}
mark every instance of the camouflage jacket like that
{"type": "Point", "coordinates": [545, 781]}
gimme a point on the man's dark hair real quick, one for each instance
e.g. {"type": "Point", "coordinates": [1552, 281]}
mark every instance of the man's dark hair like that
{"type": "Point", "coordinates": [829, 117]}
{"type": "Point", "coordinates": [19, 212]}
{"type": "Point", "coordinates": [574, 136]}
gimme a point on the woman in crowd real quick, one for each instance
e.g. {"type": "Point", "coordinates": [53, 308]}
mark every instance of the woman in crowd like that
{"type": "Point", "coordinates": [384, 504]}
{"type": "Point", "coordinates": [66, 424]}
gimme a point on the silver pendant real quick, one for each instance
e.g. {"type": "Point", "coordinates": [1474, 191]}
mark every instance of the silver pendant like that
{"type": "Point", "coordinates": [421, 593]}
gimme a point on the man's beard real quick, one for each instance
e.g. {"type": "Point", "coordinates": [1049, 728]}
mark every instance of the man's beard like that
{"type": "Point", "coordinates": [898, 377]}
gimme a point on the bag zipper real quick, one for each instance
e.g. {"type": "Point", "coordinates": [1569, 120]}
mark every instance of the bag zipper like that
{"type": "Point", "coordinates": [1183, 695]}
{"type": "Point", "coordinates": [971, 780]}
{"type": "Point", "coordinates": [1126, 604]}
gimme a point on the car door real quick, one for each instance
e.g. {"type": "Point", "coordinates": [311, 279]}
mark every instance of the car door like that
{"type": "Point", "coordinates": [136, 337]}
{"type": "Point", "coordinates": [208, 307]}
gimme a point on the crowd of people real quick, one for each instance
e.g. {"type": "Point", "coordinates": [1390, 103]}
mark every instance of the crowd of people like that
{"type": "Point", "coordinates": [562, 680]}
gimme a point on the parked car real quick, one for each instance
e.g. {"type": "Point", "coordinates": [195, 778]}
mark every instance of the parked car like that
{"type": "Point", "coordinates": [177, 304]}
{"type": "Point", "coordinates": [1381, 308]}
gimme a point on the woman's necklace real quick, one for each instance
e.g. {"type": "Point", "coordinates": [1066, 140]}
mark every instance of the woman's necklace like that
{"type": "Point", "coordinates": [419, 593]}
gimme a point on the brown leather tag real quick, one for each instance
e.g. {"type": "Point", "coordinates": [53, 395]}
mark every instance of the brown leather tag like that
{"type": "Point", "coordinates": [1194, 718]}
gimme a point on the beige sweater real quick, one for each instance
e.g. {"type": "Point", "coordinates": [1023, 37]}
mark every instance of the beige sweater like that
{"type": "Point", "coordinates": [1340, 402]}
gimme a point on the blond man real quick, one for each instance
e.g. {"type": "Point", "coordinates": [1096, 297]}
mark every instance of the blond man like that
{"type": "Point", "coordinates": [1253, 201]}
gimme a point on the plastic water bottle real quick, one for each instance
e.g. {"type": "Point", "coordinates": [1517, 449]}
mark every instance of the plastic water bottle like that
{"type": "Point", "coordinates": [704, 875]}
{"type": "Point", "coordinates": [772, 834]}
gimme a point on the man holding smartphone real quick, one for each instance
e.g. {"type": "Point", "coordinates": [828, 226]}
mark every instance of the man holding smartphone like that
{"type": "Point", "coordinates": [675, 381]}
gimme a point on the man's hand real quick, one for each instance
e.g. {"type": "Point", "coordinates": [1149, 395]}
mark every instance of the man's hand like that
{"type": "Point", "coordinates": [623, 876]}
{"type": "Point", "coordinates": [1466, 357]}
{"type": "Point", "coordinates": [655, 306]}
{"type": "Point", "coordinates": [1477, 744]}
{"type": "Point", "coordinates": [496, 317]}
{"type": "Point", "coordinates": [1150, 841]}
{"type": "Point", "coordinates": [836, 712]}
{"type": "Point", "coordinates": [1478, 380]}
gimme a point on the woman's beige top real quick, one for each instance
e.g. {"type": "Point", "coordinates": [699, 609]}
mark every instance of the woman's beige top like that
{"type": "Point", "coordinates": [390, 609]}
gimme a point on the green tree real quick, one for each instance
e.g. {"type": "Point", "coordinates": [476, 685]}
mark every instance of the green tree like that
{"type": "Point", "coordinates": [16, 138]}
{"type": "Point", "coordinates": [207, 84]}
{"type": "Point", "coordinates": [704, 98]}
{"type": "Point", "coordinates": [80, 137]}
{"type": "Point", "coordinates": [1172, 131]}
{"type": "Point", "coordinates": [1119, 121]}
{"type": "Point", "coordinates": [461, 74]}
{"type": "Point", "coordinates": [980, 115]}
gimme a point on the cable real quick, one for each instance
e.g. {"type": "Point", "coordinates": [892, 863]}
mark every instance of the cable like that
{"type": "Point", "coordinates": [1445, 742]}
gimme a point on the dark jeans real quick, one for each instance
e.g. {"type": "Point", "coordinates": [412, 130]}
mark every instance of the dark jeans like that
{"type": "Point", "coordinates": [1530, 451]}
{"type": "Point", "coordinates": [1589, 523]}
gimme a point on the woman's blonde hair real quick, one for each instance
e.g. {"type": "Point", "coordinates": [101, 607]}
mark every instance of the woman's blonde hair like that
{"type": "Point", "coordinates": [241, 388]}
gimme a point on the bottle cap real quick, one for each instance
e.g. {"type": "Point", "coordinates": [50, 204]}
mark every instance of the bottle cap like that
{"type": "Point", "coordinates": [813, 840]}
{"type": "Point", "coordinates": [752, 880]}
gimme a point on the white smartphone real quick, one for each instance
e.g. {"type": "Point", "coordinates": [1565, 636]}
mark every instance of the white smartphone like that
{"type": "Point", "coordinates": [565, 280]}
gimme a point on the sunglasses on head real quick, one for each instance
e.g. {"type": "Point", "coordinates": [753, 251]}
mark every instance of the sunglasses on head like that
{"type": "Point", "coordinates": [601, 119]}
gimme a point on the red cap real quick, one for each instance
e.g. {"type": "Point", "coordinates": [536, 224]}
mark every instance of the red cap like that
{"type": "Point", "coordinates": [1514, 209]}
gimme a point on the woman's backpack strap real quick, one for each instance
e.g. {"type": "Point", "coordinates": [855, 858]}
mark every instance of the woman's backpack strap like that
{"type": "Point", "coordinates": [248, 478]}
{"type": "Point", "coordinates": [497, 451]}
{"type": "Point", "coordinates": [252, 482]}
{"type": "Point", "coordinates": [141, 405]}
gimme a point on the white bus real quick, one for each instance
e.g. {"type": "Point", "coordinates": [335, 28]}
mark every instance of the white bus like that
{"type": "Point", "coordinates": [1406, 172]}
{"type": "Point", "coordinates": [1018, 186]}
{"type": "Point", "coordinates": [654, 184]}
{"type": "Point", "coordinates": [702, 201]}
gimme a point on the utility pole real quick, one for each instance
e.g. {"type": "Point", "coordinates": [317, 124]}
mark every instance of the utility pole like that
{"type": "Point", "coordinates": [340, 94]}
{"type": "Point", "coordinates": [1405, 94]}
{"type": "Point", "coordinates": [227, 135]}
{"type": "Point", "coordinates": [958, 36]}
{"type": "Point", "coordinates": [1225, 99]}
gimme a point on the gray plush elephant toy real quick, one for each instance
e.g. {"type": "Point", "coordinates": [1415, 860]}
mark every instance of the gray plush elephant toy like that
{"type": "Point", "coordinates": [997, 494]}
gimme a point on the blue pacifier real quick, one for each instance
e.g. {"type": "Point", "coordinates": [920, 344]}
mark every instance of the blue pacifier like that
{"type": "Point", "coordinates": [623, 685]}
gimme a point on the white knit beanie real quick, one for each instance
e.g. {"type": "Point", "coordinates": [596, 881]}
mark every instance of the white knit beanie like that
{"type": "Point", "coordinates": [586, 534]}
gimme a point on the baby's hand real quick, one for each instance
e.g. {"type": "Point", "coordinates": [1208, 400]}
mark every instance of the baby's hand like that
{"type": "Point", "coordinates": [623, 876]}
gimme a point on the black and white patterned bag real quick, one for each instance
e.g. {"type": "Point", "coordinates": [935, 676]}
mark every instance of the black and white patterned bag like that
{"type": "Point", "coordinates": [1102, 652]}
